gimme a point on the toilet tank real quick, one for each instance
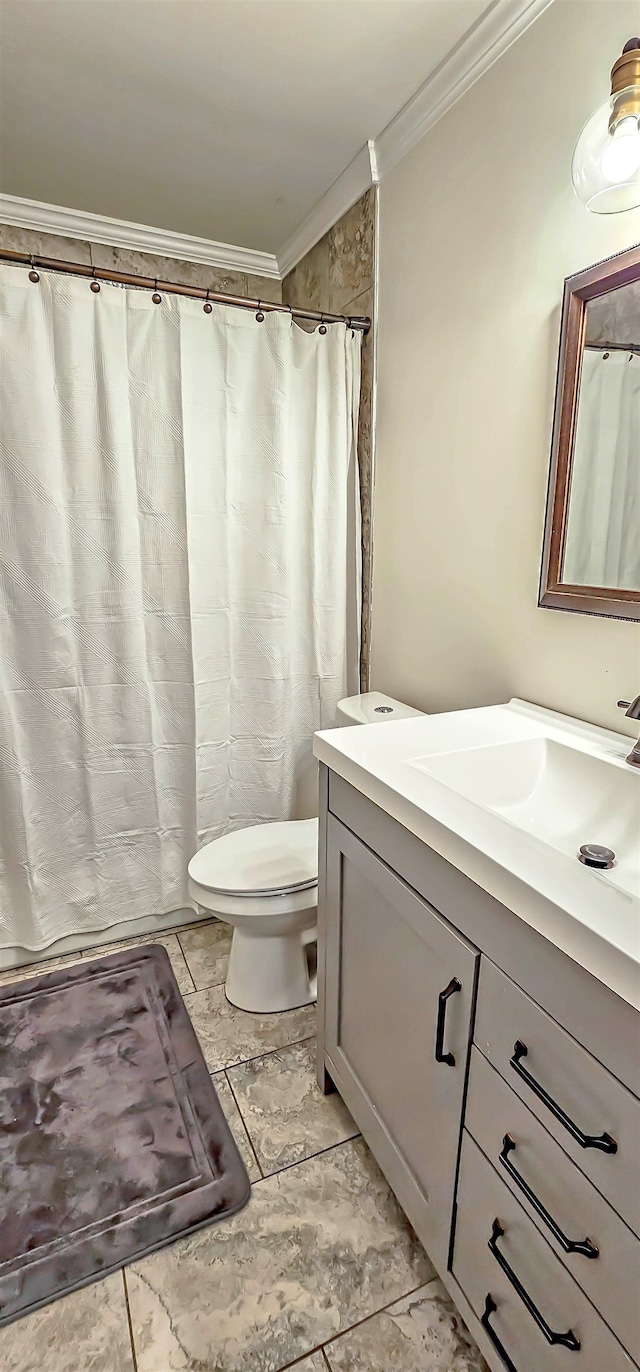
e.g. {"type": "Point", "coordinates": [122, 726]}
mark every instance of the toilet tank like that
{"type": "Point", "coordinates": [372, 707]}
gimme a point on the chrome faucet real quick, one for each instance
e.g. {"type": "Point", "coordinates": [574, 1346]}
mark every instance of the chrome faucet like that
{"type": "Point", "coordinates": [632, 711]}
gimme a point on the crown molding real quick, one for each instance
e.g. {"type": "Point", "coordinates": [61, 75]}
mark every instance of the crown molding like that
{"type": "Point", "coordinates": [497, 28]}
{"type": "Point", "coordinates": [118, 233]}
{"type": "Point", "coordinates": [350, 185]}
{"type": "Point", "coordinates": [502, 22]}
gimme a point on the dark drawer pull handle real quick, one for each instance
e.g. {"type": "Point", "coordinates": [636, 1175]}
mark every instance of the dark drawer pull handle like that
{"type": "Point", "coordinates": [567, 1340]}
{"type": "Point", "coordinates": [450, 990]}
{"type": "Point", "coordinates": [583, 1246]}
{"type": "Point", "coordinates": [490, 1308]}
{"type": "Point", "coordinates": [602, 1141]}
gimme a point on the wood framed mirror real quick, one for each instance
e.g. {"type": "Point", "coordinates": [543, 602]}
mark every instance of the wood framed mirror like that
{"type": "Point", "coordinates": [591, 550]}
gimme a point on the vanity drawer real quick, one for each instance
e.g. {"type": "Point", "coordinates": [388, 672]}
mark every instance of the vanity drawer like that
{"type": "Point", "coordinates": [516, 1285]}
{"type": "Point", "coordinates": [559, 1199]}
{"type": "Point", "coordinates": [566, 1088]}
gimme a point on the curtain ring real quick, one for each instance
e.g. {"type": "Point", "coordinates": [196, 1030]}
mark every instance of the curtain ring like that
{"type": "Point", "coordinates": [323, 327]}
{"type": "Point", "coordinates": [260, 315]}
{"type": "Point", "coordinates": [207, 307]}
{"type": "Point", "coordinates": [33, 274]}
{"type": "Point", "coordinates": [95, 284]}
{"type": "Point", "coordinates": [156, 297]}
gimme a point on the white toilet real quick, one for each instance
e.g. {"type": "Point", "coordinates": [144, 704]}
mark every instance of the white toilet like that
{"type": "Point", "coordinates": [264, 881]}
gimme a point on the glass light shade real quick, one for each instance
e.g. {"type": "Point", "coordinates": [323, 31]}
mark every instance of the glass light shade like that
{"type": "Point", "coordinates": [606, 162]}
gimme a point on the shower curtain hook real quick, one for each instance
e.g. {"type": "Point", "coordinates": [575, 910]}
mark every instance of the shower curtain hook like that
{"type": "Point", "coordinates": [156, 297]}
{"type": "Point", "coordinates": [33, 274]}
{"type": "Point", "coordinates": [323, 327]}
{"type": "Point", "coordinates": [260, 315]}
{"type": "Point", "coordinates": [95, 284]}
{"type": "Point", "coordinates": [207, 307]}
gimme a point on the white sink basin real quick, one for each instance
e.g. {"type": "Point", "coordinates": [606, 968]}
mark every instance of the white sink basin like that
{"type": "Point", "coordinates": [564, 796]}
{"type": "Point", "coordinates": [508, 794]}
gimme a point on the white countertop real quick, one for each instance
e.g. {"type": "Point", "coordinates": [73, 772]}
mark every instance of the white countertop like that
{"type": "Point", "coordinates": [592, 915]}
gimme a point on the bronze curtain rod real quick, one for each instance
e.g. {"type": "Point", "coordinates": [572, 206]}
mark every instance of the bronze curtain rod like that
{"type": "Point", "coordinates": [614, 347]}
{"type": "Point", "coordinates": [33, 260]}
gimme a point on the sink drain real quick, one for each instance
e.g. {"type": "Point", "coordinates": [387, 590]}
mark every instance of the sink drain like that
{"type": "Point", "coordinates": [593, 855]}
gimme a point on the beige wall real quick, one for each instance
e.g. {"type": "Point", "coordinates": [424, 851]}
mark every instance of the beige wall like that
{"type": "Point", "coordinates": [479, 226]}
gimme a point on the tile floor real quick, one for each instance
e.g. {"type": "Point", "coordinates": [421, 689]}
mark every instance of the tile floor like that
{"type": "Point", "coordinates": [320, 1273]}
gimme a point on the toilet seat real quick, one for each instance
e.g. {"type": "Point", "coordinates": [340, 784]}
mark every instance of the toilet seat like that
{"type": "Point", "coordinates": [253, 908]}
{"type": "Point", "coordinates": [262, 861]}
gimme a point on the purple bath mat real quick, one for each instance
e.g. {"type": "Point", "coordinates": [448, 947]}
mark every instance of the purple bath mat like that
{"type": "Point", "coordinates": [112, 1139]}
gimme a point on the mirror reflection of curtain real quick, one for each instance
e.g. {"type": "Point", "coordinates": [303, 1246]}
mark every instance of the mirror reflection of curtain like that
{"type": "Point", "coordinates": [602, 545]}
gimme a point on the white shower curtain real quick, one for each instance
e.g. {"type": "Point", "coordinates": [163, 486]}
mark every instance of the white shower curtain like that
{"type": "Point", "coordinates": [603, 529]}
{"type": "Point", "coordinates": [174, 588]}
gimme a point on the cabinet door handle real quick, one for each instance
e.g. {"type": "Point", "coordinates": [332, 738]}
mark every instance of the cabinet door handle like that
{"type": "Point", "coordinates": [490, 1308]}
{"type": "Point", "coordinates": [602, 1141]}
{"type": "Point", "coordinates": [583, 1246]}
{"type": "Point", "coordinates": [450, 990]}
{"type": "Point", "coordinates": [567, 1340]}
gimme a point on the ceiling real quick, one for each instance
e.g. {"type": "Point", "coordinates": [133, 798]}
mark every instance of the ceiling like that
{"type": "Point", "coordinates": [227, 119]}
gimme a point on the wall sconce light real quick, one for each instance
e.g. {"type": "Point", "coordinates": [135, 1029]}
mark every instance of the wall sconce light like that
{"type": "Point", "coordinates": [606, 162]}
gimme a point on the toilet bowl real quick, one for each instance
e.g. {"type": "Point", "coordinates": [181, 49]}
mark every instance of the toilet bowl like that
{"type": "Point", "coordinates": [264, 881]}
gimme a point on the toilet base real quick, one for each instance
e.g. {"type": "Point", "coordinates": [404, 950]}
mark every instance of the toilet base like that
{"type": "Point", "coordinates": [268, 973]}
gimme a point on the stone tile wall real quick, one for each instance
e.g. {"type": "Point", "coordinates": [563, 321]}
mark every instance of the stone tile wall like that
{"type": "Point", "coordinates": [141, 263]}
{"type": "Point", "coordinates": [615, 317]}
{"type": "Point", "coordinates": [338, 276]}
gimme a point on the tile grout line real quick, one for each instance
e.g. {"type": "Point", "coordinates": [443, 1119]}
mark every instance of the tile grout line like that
{"type": "Point", "coordinates": [347, 308]}
{"type": "Point", "coordinates": [320, 1153]}
{"type": "Point", "coordinates": [184, 958]}
{"type": "Point", "coordinates": [245, 1126]}
{"type": "Point", "coordinates": [301, 1161]}
{"type": "Point", "coordinates": [129, 1321]}
{"type": "Point", "coordinates": [382, 1311]}
{"type": "Point", "coordinates": [197, 989]}
{"type": "Point", "coordinates": [229, 1066]}
{"type": "Point", "coordinates": [322, 1347]}
{"type": "Point", "coordinates": [186, 993]}
{"type": "Point", "coordinates": [270, 1053]}
{"type": "Point", "coordinates": [101, 950]}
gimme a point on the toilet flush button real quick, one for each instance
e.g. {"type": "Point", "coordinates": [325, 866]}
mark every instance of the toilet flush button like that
{"type": "Point", "coordinates": [593, 855]}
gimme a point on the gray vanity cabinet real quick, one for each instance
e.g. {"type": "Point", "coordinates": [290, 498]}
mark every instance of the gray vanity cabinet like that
{"type": "Point", "coordinates": [400, 985]}
{"type": "Point", "coordinates": [495, 1081]}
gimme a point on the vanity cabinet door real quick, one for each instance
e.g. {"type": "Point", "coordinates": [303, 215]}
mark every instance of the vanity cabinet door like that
{"type": "Point", "coordinates": [399, 996]}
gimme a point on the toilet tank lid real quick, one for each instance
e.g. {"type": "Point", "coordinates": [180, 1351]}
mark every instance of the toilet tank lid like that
{"type": "Point", "coordinates": [264, 859]}
{"type": "Point", "coordinates": [373, 707]}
